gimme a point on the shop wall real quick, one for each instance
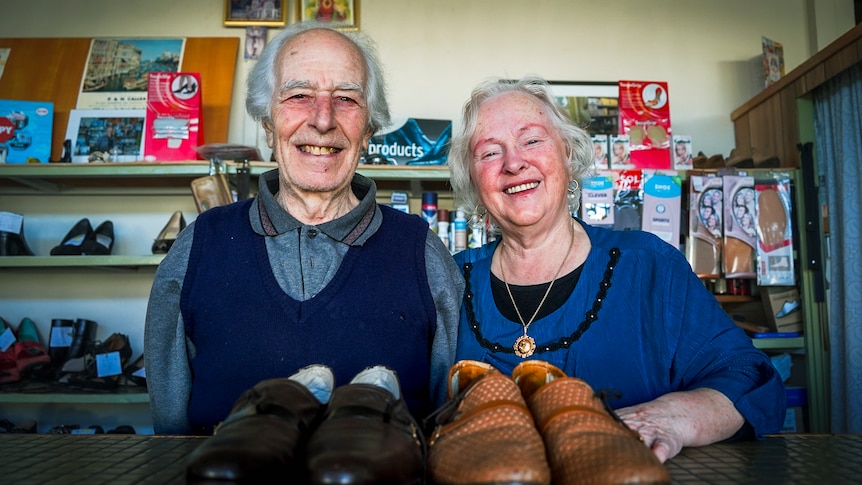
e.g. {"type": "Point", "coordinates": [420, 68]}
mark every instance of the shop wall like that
{"type": "Point", "coordinates": [436, 51]}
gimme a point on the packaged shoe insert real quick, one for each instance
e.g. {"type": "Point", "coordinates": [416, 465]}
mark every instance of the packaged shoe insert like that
{"type": "Point", "coordinates": [704, 241]}
{"type": "Point", "coordinates": [740, 235]}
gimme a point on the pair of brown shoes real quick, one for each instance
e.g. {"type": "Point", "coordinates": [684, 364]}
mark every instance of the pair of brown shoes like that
{"type": "Point", "coordinates": [298, 431]}
{"type": "Point", "coordinates": [536, 427]}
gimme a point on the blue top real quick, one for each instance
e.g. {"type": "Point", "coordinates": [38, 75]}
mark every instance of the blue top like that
{"type": "Point", "coordinates": [658, 330]}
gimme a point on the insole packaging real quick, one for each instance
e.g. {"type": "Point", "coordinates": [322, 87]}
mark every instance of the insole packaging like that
{"type": "Point", "coordinates": [774, 232]}
{"type": "Point", "coordinates": [704, 238]}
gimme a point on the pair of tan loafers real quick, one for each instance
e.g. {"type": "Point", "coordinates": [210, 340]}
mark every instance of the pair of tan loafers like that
{"type": "Point", "coordinates": [536, 427]}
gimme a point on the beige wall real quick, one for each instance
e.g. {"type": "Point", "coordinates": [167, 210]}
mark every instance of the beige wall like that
{"type": "Point", "coordinates": [434, 51]}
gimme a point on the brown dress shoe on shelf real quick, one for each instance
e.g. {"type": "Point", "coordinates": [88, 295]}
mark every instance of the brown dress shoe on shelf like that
{"type": "Point", "coordinates": [586, 444]}
{"type": "Point", "coordinates": [262, 439]}
{"type": "Point", "coordinates": [485, 433]}
{"type": "Point", "coordinates": [367, 435]}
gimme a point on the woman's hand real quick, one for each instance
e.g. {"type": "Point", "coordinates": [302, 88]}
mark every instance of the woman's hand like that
{"type": "Point", "coordinates": [679, 419]}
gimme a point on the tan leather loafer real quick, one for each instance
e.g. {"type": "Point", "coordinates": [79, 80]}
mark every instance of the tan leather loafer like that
{"type": "Point", "coordinates": [585, 443]}
{"type": "Point", "coordinates": [485, 434]}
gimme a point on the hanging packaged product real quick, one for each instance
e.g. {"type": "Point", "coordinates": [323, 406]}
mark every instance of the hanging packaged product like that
{"type": "Point", "coordinates": [174, 118]}
{"type": "Point", "coordinates": [774, 232]}
{"type": "Point", "coordinates": [597, 198]}
{"type": "Point", "coordinates": [628, 200]}
{"type": "Point", "coordinates": [740, 236]}
{"type": "Point", "coordinates": [703, 243]}
{"type": "Point", "coordinates": [645, 118]}
{"type": "Point", "coordinates": [662, 204]}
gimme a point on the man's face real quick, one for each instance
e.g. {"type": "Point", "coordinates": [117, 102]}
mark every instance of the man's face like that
{"type": "Point", "coordinates": [319, 113]}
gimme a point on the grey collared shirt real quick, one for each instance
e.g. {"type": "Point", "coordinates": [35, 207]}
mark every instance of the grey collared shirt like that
{"type": "Point", "coordinates": [304, 258]}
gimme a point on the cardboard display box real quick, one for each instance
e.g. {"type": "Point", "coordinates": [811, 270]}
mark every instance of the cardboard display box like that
{"type": "Point", "coordinates": [783, 308]}
{"type": "Point", "coordinates": [25, 131]}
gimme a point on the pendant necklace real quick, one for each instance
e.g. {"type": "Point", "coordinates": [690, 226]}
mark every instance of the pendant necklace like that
{"type": "Point", "coordinates": [526, 345]}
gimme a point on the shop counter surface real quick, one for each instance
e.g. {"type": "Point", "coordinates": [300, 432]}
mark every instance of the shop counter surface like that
{"type": "Point", "coordinates": [109, 458]}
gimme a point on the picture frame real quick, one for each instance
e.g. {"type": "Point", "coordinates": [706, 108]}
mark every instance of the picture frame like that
{"type": "Point", "coordinates": [593, 105]}
{"type": "Point", "coordinates": [120, 132]}
{"type": "Point", "coordinates": [264, 13]}
{"type": "Point", "coordinates": [342, 14]}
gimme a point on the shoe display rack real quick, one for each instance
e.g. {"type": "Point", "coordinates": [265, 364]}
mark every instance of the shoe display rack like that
{"type": "Point", "coordinates": [113, 289]}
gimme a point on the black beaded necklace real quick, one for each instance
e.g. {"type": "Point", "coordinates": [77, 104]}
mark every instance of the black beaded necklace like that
{"type": "Point", "coordinates": [564, 342]}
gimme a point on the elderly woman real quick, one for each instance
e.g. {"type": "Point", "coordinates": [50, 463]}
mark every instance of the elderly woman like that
{"type": "Point", "coordinates": [621, 310]}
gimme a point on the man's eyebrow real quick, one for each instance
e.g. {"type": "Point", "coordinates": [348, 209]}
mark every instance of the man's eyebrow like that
{"type": "Point", "coordinates": [296, 84]}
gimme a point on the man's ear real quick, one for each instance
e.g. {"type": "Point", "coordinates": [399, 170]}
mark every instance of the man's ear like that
{"type": "Point", "coordinates": [270, 132]}
{"type": "Point", "coordinates": [367, 139]}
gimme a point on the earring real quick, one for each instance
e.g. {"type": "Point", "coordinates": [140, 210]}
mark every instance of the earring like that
{"type": "Point", "coordinates": [572, 189]}
{"type": "Point", "coordinates": [478, 216]}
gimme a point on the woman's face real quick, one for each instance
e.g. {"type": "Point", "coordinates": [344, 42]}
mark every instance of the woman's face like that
{"type": "Point", "coordinates": [519, 161]}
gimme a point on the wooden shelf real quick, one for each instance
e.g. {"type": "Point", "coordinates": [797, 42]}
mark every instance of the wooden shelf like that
{"type": "Point", "coordinates": [134, 396]}
{"type": "Point", "coordinates": [788, 343]}
{"type": "Point", "coordinates": [112, 261]}
{"type": "Point", "coordinates": [58, 178]}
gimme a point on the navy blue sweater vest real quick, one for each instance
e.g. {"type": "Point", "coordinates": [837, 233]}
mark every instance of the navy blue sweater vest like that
{"type": "Point", "coordinates": [377, 310]}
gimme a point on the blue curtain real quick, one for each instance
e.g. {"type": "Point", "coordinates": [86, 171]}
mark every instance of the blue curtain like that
{"type": "Point", "coordinates": [838, 129]}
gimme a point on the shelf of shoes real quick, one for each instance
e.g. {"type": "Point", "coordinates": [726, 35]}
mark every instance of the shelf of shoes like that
{"type": "Point", "coordinates": [99, 177]}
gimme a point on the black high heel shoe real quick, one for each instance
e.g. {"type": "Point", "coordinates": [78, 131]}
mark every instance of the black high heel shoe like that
{"type": "Point", "coordinates": [74, 240]}
{"type": "Point", "coordinates": [169, 233]}
{"type": "Point", "coordinates": [101, 241]}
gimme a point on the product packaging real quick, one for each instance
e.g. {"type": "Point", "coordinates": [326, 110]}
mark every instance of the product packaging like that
{"type": "Point", "coordinates": [597, 198]}
{"type": "Point", "coordinates": [429, 209]}
{"type": "Point", "coordinates": [25, 131]}
{"type": "Point", "coordinates": [414, 142]}
{"type": "Point", "coordinates": [600, 147]}
{"type": "Point", "coordinates": [682, 153]}
{"type": "Point", "coordinates": [619, 152]}
{"type": "Point", "coordinates": [774, 232]}
{"type": "Point", "coordinates": [628, 200]}
{"type": "Point", "coordinates": [662, 204]}
{"type": "Point", "coordinates": [783, 308]}
{"type": "Point", "coordinates": [174, 118]}
{"type": "Point", "coordinates": [400, 201]}
{"type": "Point", "coordinates": [703, 243]}
{"type": "Point", "coordinates": [740, 235]}
{"type": "Point", "coordinates": [645, 118]}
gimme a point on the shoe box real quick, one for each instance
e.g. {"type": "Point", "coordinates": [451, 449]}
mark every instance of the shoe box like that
{"type": "Point", "coordinates": [783, 308]}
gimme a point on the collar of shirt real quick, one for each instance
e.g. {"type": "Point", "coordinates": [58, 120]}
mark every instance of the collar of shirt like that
{"type": "Point", "coordinates": [354, 228]}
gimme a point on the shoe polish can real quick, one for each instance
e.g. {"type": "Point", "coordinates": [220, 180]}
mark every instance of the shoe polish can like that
{"type": "Point", "coordinates": [429, 209]}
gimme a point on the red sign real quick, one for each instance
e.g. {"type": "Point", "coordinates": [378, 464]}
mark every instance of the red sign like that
{"type": "Point", "coordinates": [7, 129]}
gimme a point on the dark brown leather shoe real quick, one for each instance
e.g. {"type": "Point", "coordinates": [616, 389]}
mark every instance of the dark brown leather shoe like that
{"type": "Point", "coordinates": [485, 433]}
{"type": "Point", "coordinates": [367, 436]}
{"type": "Point", "coordinates": [585, 442]}
{"type": "Point", "coordinates": [262, 439]}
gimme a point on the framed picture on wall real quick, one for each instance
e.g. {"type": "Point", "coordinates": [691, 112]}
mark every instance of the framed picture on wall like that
{"type": "Point", "coordinates": [593, 105]}
{"type": "Point", "coordinates": [265, 13]}
{"type": "Point", "coordinates": [343, 14]}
